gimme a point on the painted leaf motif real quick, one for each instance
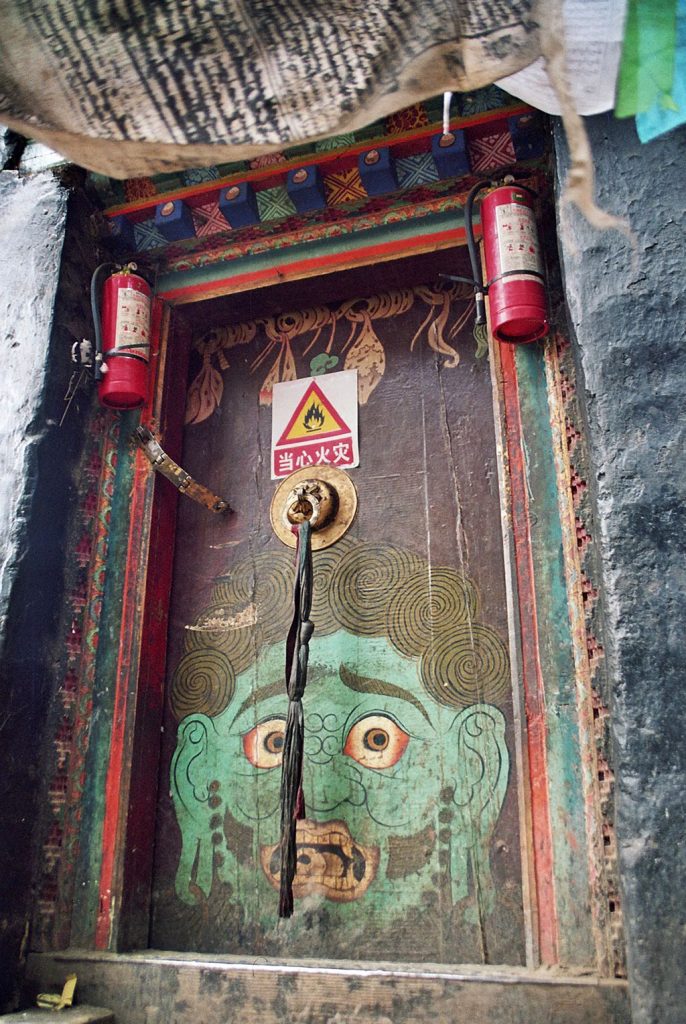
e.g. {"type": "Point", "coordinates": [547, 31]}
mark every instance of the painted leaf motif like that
{"type": "Point", "coordinates": [367, 356]}
{"type": "Point", "coordinates": [302, 321]}
{"type": "Point", "coordinates": [278, 372]}
{"type": "Point", "coordinates": [269, 381]}
{"type": "Point", "coordinates": [204, 394]}
{"type": "Point", "coordinates": [289, 370]}
{"type": "Point", "coordinates": [391, 303]}
{"type": "Point", "coordinates": [227, 337]}
{"type": "Point", "coordinates": [436, 337]}
{"type": "Point", "coordinates": [193, 401]}
{"type": "Point", "coordinates": [240, 334]}
{"type": "Point", "coordinates": [322, 363]}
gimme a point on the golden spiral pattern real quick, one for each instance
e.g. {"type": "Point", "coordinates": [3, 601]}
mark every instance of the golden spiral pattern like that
{"type": "Point", "coordinates": [265, 584]}
{"type": "Point", "coordinates": [466, 665]}
{"type": "Point", "coordinates": [218, 628]}
{"type": "Point", "coordinates": [269, 570]}
{"type": "Point", "coordinates": [274, 603]}
{"type": "Point", "coordinates": [364, 583]}
{"type": "Point", "coordinates": [203, 683]}
{"type": "Point", "coordinates": [430, 601]}
{"type": "Point", "coordinates": [326, 563]}
{"type": "Point", "coordinates": [368, 589]}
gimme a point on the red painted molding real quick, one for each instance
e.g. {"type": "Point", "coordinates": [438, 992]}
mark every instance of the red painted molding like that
{"type": "Point", "coordinates": [116, 784]}
{"type": "Point", "coordinates": [534, 691]}
{"type": "Point", "coordinates": [316, 265]}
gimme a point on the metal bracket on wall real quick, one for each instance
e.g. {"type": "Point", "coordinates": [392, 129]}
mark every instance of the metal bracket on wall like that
{"type": "Point", "coordinates": [183, 481]}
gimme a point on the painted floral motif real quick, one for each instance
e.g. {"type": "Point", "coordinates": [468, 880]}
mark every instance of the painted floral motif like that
{"type": "Point", "coordinates": [267, 160]}
{"type": "Point", "coordinates": [362, 350]}
{"type": "Point", "coordinates": [407, 119]}
{"type": "Point", "coordinates": [139, 188]}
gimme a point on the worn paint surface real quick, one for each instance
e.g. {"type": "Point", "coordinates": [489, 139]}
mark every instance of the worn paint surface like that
{"type": "Point", "coordinates": [402, 793]}
{"type": "Point", "coordinates": [89, 859]}
{"type": "Point", "coordinates": [573, 894]}
{"type": "Point", "coordinates": [410, 845]}
{"type": "Point", "coordinates": [538, 804]}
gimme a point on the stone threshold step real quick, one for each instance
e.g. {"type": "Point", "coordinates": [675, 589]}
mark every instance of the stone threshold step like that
{"type": "Point", "coordinates": [72, 1015]}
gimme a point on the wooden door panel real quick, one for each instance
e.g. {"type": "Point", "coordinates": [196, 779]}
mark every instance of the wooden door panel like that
{"type": "Point", "coordinates": [410, 849]}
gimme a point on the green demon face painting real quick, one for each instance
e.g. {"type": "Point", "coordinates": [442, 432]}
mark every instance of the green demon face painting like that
{"type": "Point", "coordinates": [406, 765]}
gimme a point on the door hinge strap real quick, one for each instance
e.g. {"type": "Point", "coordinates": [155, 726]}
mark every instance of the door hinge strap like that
{"type": "Point", "coordinates": [183, 481]}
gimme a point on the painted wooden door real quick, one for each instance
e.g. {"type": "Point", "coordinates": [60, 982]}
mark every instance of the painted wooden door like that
{"type": "Point", "coordinates": [410, 849]}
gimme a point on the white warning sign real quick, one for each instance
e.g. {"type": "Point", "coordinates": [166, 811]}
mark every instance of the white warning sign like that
{"type": "Point", "coordinates": [133, 320]}
{"type": "Point", "coordinates": [517, 239]}
{"type": "Point", "coordinates": [314, 423]}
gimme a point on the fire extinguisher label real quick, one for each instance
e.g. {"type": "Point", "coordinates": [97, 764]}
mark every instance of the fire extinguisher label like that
{"type": "Point", "coordinates": [517, 239]}
{"type": "Point", "coordinates": [133, 321]}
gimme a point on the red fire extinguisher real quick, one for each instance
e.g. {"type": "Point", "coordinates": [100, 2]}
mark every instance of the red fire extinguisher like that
{"type": "Point", "coordinates": [514, 269]}
{"type": "Point", "coordinates": [122, 336]}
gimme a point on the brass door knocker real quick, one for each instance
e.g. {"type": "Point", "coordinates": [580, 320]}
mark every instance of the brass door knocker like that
{"type": "Point", "coordinates": [325, 496]}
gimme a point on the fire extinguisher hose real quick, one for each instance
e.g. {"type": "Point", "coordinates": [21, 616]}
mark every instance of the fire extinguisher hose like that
{"type": "Point", "coordinates": [95, 308]}
{"type": "Point", "coordinates": [479, 299]}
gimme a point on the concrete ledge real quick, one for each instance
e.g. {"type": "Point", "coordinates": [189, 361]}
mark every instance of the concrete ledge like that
{"type": "Point", "coordinates": [152, 987]}
{"type": "Point", "coordinates": [73, 1015]}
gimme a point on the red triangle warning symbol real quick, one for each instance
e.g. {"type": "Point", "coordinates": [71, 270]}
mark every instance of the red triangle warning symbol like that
{"type": "Point", "coordinates": [314, 417]}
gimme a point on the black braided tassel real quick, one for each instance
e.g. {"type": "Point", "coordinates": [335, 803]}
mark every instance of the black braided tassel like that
{"type": "Point", "coordinates": [292, 802]}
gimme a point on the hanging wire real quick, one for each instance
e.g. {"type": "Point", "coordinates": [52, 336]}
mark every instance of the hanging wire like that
{"type": "Point", "coordinates": [447, 97]}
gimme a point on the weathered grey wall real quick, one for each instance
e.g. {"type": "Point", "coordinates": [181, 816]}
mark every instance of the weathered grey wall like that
{"type": "Point", "coordinates": [630, 327]}
{"type": "Point", "coordinates": [33, 214]}
{"type": "Point", "coordinates": [37, 459]}
{"type": "Point", "coordinates": [32, 226]}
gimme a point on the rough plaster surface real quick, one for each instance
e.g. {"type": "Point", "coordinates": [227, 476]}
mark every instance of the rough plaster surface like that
{"type": "Point", "coordinates": [628, 319]}
{"type": "Point", "coordinates": [32, 220]}
{"type": "Point", "coordinates": [35, 459]}
{"type": "Point", "coordinates": [7, 145]}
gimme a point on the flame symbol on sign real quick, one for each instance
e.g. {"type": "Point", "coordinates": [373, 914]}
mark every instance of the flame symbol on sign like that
{"type": "Point", "coordinates": [314, 418]}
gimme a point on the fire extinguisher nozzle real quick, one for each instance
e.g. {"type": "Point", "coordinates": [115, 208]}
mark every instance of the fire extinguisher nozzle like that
{"type": "Point", "coordinates": [480, 307]}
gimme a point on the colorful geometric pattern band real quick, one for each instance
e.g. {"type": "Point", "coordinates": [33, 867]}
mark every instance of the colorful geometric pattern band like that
{"type": "Point", "coordinates": [208, 220]}
{"type": "Point", "coordinates": [416, 170]}
{"type": "Point", "coordinates": [491, 151]}
{"type": "Point", "coordinates": [344, 187]}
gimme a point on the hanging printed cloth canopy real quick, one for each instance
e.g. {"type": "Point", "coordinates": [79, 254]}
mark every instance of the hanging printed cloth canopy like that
{"type": "Point", "coordinates": [141, 87]}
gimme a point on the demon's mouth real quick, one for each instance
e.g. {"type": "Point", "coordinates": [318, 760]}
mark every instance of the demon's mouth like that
{"type": "Point", "coordinates": [330, 862]}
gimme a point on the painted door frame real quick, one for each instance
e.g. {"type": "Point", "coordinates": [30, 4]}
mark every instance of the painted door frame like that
{"type": "Point", "coordinates": [528, 427]}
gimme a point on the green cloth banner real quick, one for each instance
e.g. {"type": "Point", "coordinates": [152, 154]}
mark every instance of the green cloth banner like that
{"type": "Point", "coordinates": [646, 71]}
{"type": "Point", "coordinates": [669, 112]}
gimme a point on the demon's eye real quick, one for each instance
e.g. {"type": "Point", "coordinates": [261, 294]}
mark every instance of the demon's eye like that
{"type": "Point", "coordinates": [376, 741]}
{"type": "Point", "coordinates": [263, 745]}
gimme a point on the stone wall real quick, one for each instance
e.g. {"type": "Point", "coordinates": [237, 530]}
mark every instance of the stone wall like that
{"type": "Point", "coordinates": [627, 313]}
{"type": "Point", "coordinates": [41, 305]}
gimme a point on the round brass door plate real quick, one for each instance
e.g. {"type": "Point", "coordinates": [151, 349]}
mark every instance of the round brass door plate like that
{"type": "Point", "coordinates": [333, 529]}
